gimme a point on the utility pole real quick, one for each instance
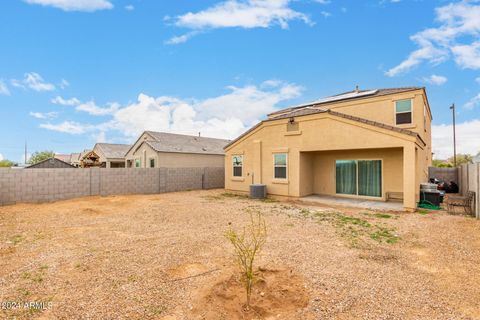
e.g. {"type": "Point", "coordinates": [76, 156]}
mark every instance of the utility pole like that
{"type": "Point", "coordinates": [454, 138]}
{"type": "Point", "coordinates": [25, 151]}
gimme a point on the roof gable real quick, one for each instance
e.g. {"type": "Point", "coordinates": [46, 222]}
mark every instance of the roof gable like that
{"type": "Point", "coordinates": [113, 150]}
{"type": "Point", "coordinates": [306, 111]}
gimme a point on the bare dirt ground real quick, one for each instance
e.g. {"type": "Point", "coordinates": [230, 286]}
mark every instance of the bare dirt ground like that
{"type": "Point", "coordinates": [165, 257]}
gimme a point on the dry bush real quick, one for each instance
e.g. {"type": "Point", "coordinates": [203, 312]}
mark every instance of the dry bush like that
{"type": "Point", "coordinates": [247, 245]}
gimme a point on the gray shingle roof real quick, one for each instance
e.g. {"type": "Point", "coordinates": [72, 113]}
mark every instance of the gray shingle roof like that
{"type": "Point", "coordinates": [113, 150]}
{"type": "Point", "coordinates": [170, 142]}
{"type": "Point", "coordinates": [349, 95]}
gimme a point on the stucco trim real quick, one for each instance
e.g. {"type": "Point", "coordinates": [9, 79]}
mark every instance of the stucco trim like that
{"type": "Point", "coordinates": [293, 133]}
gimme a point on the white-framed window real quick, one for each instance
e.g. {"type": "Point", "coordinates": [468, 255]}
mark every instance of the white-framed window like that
{"type": "Point", "coordinates": [152, 163]}
{"type": "Point", "coordinates": [137, 163]}
{"type": "Point", "coordinates": [403, 111]}
{"type": "Point", "coordinates": [280, 165]}
{"type": "Point", "coordinates": [237, 162]}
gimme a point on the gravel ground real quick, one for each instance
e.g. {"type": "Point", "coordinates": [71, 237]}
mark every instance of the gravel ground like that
{"type": "Point", "coordinates": [165, 257]}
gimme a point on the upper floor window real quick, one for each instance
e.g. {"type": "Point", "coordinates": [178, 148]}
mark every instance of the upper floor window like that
{"type": "Point", "coordinates": [403, 111]}
{"type": "Point", "coordinates": [280, 166]}
{"type": "Point", "coordinates": [237, 165]}
{"type": "Point", "coordinates": [152, 163]}
{"type": "Point", "coordinates": [137, 163]}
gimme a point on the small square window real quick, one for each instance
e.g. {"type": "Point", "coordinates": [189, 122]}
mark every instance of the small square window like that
{"type": "Point", "coordinates": [237, 165]}
{"type": "Point", "coordinates": [403, 111]}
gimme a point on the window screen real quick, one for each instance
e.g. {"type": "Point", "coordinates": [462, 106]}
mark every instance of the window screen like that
{"type": "Point", "coordinates": [403, 111]}
{"type": "Point", "coordinates": [237, 165]}
{"type": "Point", "coordinates": [280, 166]}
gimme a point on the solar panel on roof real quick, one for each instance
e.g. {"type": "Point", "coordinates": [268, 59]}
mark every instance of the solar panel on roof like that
{"type": "Point", "coordinates": [346, 96]}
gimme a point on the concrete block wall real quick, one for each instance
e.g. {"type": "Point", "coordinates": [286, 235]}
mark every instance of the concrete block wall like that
{"type": "Point", "coordinates": [178, 179]}
{"type": "Point", "coordinates": [445, 174]}
{"type": "Point", "coordinates": [214, 178]}
{"type": "Point", "coordinates": [470, 181]}
{"type": "Point", "coordinates": [45, 185]}
{"type": "Point", "coordinates": [129, 181]}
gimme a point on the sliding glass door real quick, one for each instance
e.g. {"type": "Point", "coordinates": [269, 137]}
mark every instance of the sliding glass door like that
{"type": "Point", "coordinates": [359, 177]}
{"type": "Point", "coordinates": [346, 176]}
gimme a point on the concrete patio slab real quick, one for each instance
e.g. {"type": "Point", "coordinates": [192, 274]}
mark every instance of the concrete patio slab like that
{"type": "Point", "coordinates": [354, 203]}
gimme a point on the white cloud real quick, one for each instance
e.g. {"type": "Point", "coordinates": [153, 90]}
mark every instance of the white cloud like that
{"type": "Point", "coordinates": [63, 84]}
{"type": "Point", "coordinates": [91, 108]}
{"type": "Point", "coordinates": [456, 36]}
{"type": "Point", "coordinates": [435, 79]}
{"type": "Point", "coordinates": [467, 56]}
{"type": "Point", "coordinates": [33, 81]}
{"type": "Point", "coordinates": [75, 5]}
{"type": "Point", "coordinates": [182, 38]}
{"type": "Point", "coordinates": [224, 116]}
{"type": "Point", "coordinates": [239, 14]}
{"type": "Point", "coordinates": [4, 89]}
{"type": "Point", "coordinates": [46, 115]}
{"type": "Point", "coordinates": [473, 102]}
{"type": "Point", "coordinates": [468, 139]}
{"type": "Point", "coordinates": [1, 157]}
{"type": "Point", "coordinates": [326, 14]}
{"type": "Point", "coordinates": [70, 127]}
{"type": "Point", "coordinates": [129, 7]}
{"type": "Point", "coordinates": [65, 102]}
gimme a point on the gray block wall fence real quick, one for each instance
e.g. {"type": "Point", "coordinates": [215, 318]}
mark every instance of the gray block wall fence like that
{"type": "Point", "coordinates": [444, 174]}
{"type": "Point", "coordinates": [46, 185]}
{"type": "Point", "coordinates": [469, 175]}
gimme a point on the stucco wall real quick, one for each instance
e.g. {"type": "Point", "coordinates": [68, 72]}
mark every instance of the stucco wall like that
{"type": "Point", "coordinates": [44, 185]}
{"type": "Point", "coordinates": [320, 133]}
{"type": "Point", "coordinates": [324, 168]}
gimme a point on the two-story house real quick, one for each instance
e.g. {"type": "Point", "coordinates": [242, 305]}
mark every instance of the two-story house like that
{"type": "Point", "coordinates": [362, 144]}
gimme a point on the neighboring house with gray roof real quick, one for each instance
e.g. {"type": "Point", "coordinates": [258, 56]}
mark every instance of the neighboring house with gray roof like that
{"type": "Point", "coordinates": [161, 149]}
{"type": "Point", "coordinates": [111, 155]}
{"type": "Point", "coordinates": [51, 163]}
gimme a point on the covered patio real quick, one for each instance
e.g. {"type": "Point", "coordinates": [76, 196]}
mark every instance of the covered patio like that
{"type": "Point", "coordinates": [354, 203]}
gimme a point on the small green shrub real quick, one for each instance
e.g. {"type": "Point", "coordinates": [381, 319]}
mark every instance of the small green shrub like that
{"type": "Point", "coordinates": [247, 245]}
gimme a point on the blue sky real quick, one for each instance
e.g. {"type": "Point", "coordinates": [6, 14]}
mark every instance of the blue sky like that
{"type": "Point", "coordinates": [76, 72]}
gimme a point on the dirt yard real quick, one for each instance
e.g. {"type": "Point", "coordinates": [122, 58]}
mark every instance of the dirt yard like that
{"type": "Point", "coordinates": [165, 257]}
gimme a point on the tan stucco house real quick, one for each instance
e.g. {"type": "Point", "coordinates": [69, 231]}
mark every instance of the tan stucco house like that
{"type": "Point", "coordinates": [160, 149]}
{"type": "Point", "coordinates": [369, 144]}
{"type": "Point", "coordinates": [111, 155]}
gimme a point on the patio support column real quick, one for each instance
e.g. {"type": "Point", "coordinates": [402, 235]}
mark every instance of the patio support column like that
{"type": "Point", "coordinates": [409, 178]}
{"type": "Point", "coordinates": [257, 161]}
